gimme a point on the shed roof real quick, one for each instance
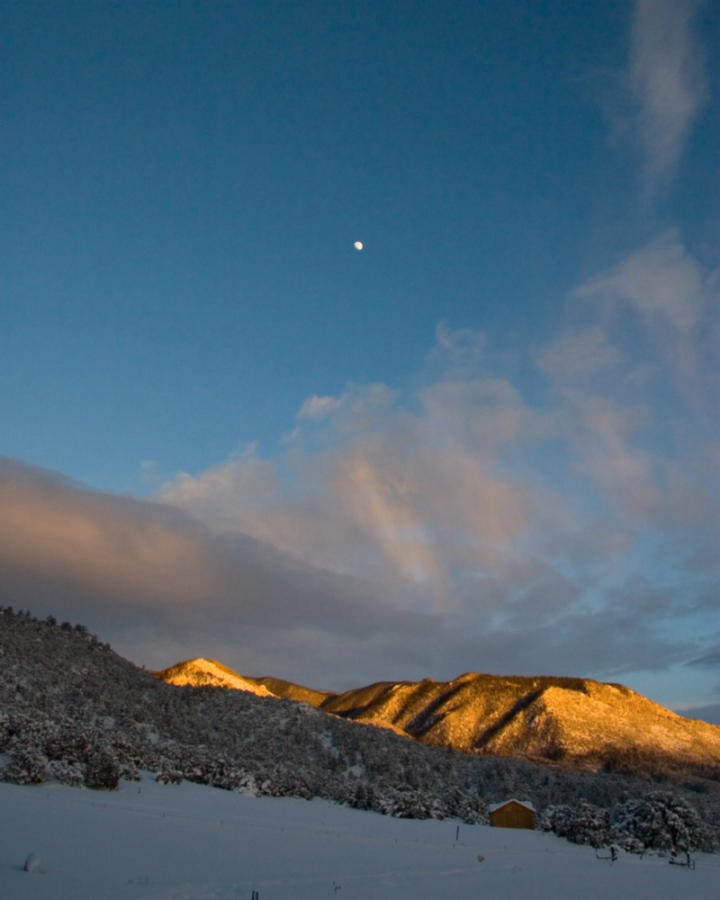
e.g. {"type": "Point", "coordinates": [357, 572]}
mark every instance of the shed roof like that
{"type": "Point", "coordinates": [526, 803]}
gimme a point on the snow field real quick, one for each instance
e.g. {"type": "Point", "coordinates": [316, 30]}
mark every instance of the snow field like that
{"type": "Point", "coordinates": [148, 841]}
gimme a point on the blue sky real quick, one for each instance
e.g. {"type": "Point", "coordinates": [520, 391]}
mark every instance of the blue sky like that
{"type": "Point", "coordinates": [488, 440]}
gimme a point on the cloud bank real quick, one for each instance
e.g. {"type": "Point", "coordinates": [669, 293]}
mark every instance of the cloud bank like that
{"type": "Point", "coordinates": [160, 586]}
{"type": "Point", "coordinates": [460, 526]}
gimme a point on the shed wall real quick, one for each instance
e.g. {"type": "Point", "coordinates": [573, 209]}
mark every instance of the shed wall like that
{"type": "Point", "coordinates": [512, 815]}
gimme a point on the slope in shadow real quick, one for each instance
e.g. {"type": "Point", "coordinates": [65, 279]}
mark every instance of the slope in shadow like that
{"type": "Point", "coordinates": [377, 692]}
{"type": "Point", "coordinates": [489, 733]}
{"type": "Point", "coordinates": [425, 719]}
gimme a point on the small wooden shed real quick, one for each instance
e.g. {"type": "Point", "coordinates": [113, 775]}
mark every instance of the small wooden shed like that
{"type": "Point", "coordinates": [512, 814]}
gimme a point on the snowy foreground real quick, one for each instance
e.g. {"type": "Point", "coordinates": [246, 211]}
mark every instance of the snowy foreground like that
{"type": "Point", "coordinates": [186, 841]}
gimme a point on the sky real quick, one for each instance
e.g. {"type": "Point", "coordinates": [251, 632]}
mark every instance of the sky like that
{"type": "Point", "coordinates": [487, 441]}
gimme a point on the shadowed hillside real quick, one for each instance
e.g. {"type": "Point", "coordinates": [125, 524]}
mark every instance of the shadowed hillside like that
{"type": "Point", "coordinates": [73, 711]}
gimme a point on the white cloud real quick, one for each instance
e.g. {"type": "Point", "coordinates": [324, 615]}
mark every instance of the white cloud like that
{"type": "Point", "coordinates": [581, 353]}
{"type": "Point", "coordinates": [661, 280]}
{"type": "Point", "coordinates": [667, 79]}
{"type": "Point", "coordinates": [482, 415]}
{"type": "Point", "coordinates": [603, 432]}
{"type": "Point", "coordinates": [458, 348]}
{"type": "Point", "coordinates": [389, 493]}
{"type": "Point", "coordinates": [318, 407]}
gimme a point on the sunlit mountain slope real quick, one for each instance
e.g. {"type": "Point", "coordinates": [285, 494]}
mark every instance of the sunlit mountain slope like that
{"type": "Point", "coordinates": [73, 711]}
{"type": "Point", "coordinates": [571, 721]}
{"type": "Point", "coordinates": [202, 671]}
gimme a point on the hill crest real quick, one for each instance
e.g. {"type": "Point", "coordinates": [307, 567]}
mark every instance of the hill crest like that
{"type": "Point", "coordinates": [73, 711]}
{"type": "Point", "coordinates": [577, 722]}
{"type": "Point", "coordinates": [200, 672]}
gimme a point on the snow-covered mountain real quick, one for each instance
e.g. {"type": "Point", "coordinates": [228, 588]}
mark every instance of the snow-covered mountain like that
{"type": "Point", "coordinates": [201, 671]}
{"type": "Point", "coordinates": [208, 672]}
{"type": "Point", "coordinates": [73, 711]}
{"type": "Point", "coordinates": [569, 721]}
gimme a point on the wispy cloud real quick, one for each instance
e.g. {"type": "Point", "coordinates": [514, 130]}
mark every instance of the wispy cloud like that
{"type": "Point", "coordinates": [711, 659]}
{"type": "Point", "coordinates": [663, 308]}
{"type": "Point", "coordinates": [386, 491]}
{"type": "Point", "coordinates": [579, 353]}
{"type": "Point", "coordinates": [668, 81]}
{"type": "Point", "coordinates": [459, 349]}
{"type": "Point", "coordinates": [659, 281]}
{"type": "Point", "coordinates": [318, 407]}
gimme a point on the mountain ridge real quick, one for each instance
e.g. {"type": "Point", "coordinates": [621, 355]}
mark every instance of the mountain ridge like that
{"type": "Point", "coordinates": [203, 672]}
{"type": "Point", "coordinates": [74, 711]}
{"type": "Point", "coordinates": [578, 722]}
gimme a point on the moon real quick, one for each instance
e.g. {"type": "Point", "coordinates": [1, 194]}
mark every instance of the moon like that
{"type": "Point", "coordinates": [358, 245]}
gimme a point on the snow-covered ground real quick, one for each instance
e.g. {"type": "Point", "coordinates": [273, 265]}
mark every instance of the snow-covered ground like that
{"type": "Point", "coordinates": [152, 841]}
